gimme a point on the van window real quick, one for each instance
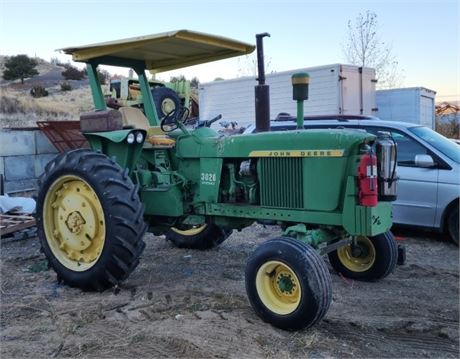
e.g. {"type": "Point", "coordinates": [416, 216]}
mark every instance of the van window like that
{"type": "Point", "coordinates": [407, 147]}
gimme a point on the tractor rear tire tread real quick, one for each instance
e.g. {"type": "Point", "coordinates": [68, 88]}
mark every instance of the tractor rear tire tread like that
{"type": "Point", "coordinates": [123, 212]}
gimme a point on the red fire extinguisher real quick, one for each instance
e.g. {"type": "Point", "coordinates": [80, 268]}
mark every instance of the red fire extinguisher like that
{"type": "Point", "coordinates": [367, 180]}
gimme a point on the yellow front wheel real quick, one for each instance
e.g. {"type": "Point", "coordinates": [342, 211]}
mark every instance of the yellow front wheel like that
{"type": "Point", "coordinates": [90, 220]}
{"type": "Point", "coordinates": [288, 284]}
{"type": "Point", "coordinates": [368, 259]}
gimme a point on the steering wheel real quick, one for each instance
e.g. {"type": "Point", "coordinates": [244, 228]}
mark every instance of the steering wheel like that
{"type": "Point", "coordinates": [172, 119]}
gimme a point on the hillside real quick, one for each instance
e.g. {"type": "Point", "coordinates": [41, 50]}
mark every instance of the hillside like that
{"type": "Point", "coordinates": [19, 109]}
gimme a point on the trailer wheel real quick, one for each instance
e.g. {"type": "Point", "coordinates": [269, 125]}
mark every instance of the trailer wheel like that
{"type": "Point", "coordinates": [90, 220]}
{"type": "Point", "coordinates": [166, 100]}
{"type": "Point", "coordinates": [205, 236]}
{"type": "Point", "coordinates": [288, 284]}
{"type": "Point", "coordinates": [452, 225]}
{"type": "Point", "coordinates": [373, 258]}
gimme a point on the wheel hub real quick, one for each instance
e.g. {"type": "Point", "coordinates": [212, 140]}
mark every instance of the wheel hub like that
{"type": "Point", "coordinates": [358, 257]}
{"type": "Point", "coordinates": [167, 105]}
{"type": "Point", "coordinates": [285, 283]}
{"type": "Point", "coordinates": [278, 287]}
{"type": "Point", "coordinates": [75, 222]}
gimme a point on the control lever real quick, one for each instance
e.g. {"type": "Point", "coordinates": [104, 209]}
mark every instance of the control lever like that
{"type": "Point", "coordinates": [208, 123]}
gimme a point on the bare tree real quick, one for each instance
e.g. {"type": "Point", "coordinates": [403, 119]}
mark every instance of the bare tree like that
{"type": "Point", "coordinates": [247, 65]}
{"type": "Point", "coordinates": [364, 47]}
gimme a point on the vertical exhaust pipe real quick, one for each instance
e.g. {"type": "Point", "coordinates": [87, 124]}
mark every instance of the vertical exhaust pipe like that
{"type": "Point", "coordinates": [262, 91]}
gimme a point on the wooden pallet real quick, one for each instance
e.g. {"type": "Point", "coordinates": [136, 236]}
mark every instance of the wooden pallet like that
{"type": "Point", "coordinates": [10, 223]}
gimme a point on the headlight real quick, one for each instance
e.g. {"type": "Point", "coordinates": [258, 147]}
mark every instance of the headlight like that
{"type": "Point", "coordinates": [139, 137]}
{"type": "Point", "coordinates": [130, 139]}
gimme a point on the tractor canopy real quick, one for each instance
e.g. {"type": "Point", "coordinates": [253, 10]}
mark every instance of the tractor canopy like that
{"type": "Point", "coordinates": [161, 52]}
{"type": "Point", "coordinates": [157, 53]}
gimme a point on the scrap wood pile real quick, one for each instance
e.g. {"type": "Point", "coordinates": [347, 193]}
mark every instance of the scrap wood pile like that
{"type": "Point", "coordinates": [17, 226]}
{"type": "Point", "coordinates": [16, 219]}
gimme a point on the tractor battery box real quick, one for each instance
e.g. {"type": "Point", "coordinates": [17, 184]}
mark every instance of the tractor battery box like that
{"type": "Point", "coordinates": [101, 121]}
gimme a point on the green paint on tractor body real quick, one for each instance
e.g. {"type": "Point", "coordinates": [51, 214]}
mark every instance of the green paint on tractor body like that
{"type": "Point", "coordinates": [293, 177]}
{"type": "Point", "coordinates": [328, 190]}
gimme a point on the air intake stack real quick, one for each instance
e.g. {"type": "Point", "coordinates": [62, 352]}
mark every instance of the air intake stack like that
{"type": "Point", "coordinates": [300, 81]}
{"type": "Point", "coordinates": [262, 91]}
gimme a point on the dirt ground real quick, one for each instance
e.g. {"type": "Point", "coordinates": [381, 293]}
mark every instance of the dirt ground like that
{"type": "Point", "coordinates": [191, 304]}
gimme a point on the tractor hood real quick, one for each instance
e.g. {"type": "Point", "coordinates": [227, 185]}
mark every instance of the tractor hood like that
{"type": "Point", "coordinates": [162, 52]}
{"type": "Point", "coordinates": [295, 143]}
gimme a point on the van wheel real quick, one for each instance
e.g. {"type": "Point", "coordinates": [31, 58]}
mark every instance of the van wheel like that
{"type": "Point", "coordinates": [373, 258]}
{"type": "Point", "coordinates": [452, 225]}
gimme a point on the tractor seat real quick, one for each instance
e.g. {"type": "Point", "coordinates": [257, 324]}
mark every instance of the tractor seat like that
{"type": "Point", "coordinates": [134, 117]}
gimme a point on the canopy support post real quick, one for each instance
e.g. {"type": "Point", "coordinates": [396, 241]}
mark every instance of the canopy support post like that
{"type": "Point", "coordinates": [147, 99]}
{"type": "Point", "coordinates": [98, 97]}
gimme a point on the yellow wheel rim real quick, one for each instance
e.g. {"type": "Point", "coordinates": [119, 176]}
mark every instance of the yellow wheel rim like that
{"type": "Point", "coordinates": [167, 105]}
{"type": "Point", "coordinates": [190, 232]}
{"type": "Point", "coordinates": [74, 223]}
{"type": "Point", "coordinates": [361, 261]}
{"type": "Point", "coordinates": [278, 287]}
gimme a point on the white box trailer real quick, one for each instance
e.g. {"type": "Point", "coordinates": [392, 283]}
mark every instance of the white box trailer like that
{"type": "Point", "coordinates": [334, 89]}
{"type": "Point", "coordinates": [411, 104]}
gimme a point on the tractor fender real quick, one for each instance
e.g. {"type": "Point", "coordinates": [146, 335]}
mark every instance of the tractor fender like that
{"type": "Point", "coordinates": [115, 144]}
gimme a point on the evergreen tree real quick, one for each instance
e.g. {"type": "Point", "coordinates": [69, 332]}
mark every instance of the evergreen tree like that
{"type": "Point", "coordinates": [19, 67]}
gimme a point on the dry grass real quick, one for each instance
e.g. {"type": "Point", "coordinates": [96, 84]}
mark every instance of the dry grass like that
{"type": "Point", "coordinates": [19, 109]}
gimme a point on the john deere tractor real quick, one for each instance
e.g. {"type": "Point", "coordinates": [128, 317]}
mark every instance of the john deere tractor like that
{"type": "Point", "coordinates": [329, 191]}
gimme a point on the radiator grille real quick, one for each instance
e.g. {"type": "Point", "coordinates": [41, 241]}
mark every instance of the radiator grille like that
{"type": "Point", "coordinates": [281, 182]}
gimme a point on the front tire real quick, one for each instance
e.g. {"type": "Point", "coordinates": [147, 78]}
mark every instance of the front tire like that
{"type": "Point", "coordinates": [374, 258]}
{"type": "Point", "coordinates": [288, 284]}
{"type": "Point", "coordinates": [90, 220]}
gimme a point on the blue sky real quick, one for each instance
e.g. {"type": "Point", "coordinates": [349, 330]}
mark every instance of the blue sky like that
{"type": "Point", "coordinates": [424, 35]}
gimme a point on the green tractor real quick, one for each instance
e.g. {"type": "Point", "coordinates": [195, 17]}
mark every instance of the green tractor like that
{"type": "Point", "coordinates": [330, 191]}
{"type": "Point", "coordinates": [126, 92]}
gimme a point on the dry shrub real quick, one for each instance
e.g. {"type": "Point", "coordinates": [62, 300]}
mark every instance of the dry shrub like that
{"type": "Point", "coordinates": [65, 86]}
{"type": "Point", "coordinates": [10, 105]}
{"type": "Point", "coordinates": [448, 128]}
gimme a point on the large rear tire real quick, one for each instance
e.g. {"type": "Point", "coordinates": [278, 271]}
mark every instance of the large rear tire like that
{"type": "Point", "coordinates": [90, 220]}
{"type": "Point", "coordinates": [288, 284]}
{"type": "Point", "coordinates": [205, 236]}
{"type": "Point", "coordinates": [166, 100]}
{"type": "Point", "coordinates": [374, 258]}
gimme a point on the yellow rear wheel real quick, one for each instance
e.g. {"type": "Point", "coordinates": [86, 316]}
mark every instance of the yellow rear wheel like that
{"type": "Point", "coordinates": [202, 236]}
{"type": "Point", "coordinates": [74, 223]}
{"type": "Point", "coordinates": [193, 230]}
{"type": "Point", "coordinates": [90, 220]}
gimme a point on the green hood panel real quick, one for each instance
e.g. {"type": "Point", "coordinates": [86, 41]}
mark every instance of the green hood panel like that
{"type": "Point", "coordinates": [261, 144]}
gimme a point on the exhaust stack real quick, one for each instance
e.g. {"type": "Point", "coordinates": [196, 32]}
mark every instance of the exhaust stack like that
{"type": "Point", "coordinates": [262, 91]}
